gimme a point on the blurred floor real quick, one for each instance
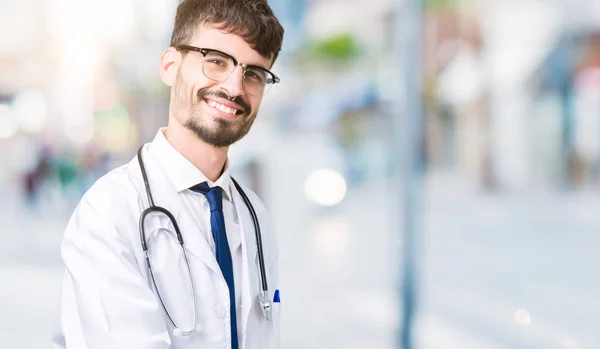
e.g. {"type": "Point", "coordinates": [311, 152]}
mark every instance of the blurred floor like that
{"type": "Point", "coordinates": [484, 257]}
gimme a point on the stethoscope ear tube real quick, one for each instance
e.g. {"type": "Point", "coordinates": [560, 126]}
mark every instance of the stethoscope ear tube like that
{"type": "Point", "coordinates": [145, 176]}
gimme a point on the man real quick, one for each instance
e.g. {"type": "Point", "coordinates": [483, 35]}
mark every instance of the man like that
{"type": "Point", "coordinates": [218, 70]}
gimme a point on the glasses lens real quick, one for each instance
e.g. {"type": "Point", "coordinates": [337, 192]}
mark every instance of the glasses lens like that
{"type": "Point", "coordinates": [257, 81]}
{"type": "Point", "coordinates": [217, 66]}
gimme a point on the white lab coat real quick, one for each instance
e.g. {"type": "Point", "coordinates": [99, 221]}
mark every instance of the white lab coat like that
{"type": "Point", "coordinates": [108, 301]}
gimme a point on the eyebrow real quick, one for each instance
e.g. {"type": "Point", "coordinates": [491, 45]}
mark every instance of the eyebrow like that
{"type": "Point", "coordinates": [256, 65]}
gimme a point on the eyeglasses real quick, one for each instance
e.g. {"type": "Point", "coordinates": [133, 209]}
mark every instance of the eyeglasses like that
{"type": "Point", "coordinates": [218, 66]}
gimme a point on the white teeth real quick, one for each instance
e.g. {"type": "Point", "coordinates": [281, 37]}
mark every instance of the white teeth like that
{"type": "Point", "coordinates": [222, 108]}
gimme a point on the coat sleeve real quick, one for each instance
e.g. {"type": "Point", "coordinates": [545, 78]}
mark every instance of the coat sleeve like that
{"type": "Point", "coordinates": [106, 301]}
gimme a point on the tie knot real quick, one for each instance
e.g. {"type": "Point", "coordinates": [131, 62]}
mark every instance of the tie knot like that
{"type": "Point", "coordinates": [214, 195]}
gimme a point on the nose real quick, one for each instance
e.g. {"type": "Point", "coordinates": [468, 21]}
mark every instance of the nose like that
{"type": "Point", "coordinates": [233, 85]}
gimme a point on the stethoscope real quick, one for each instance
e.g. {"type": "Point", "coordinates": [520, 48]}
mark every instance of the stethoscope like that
{"type": "Point", "coordinates": [265, 302]}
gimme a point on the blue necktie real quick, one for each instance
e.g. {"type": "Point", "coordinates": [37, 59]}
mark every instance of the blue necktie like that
{"type": "Point", "coordinates": [223, 255]}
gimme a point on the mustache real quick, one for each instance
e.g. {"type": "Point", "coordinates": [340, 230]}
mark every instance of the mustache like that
{"type": "Point", "coordinates": [239, 100]}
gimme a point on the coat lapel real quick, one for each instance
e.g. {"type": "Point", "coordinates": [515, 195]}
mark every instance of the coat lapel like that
{"type": "Point", "coordinates": [250, 273]}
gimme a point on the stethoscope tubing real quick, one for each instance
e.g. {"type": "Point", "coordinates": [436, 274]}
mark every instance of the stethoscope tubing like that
{"type": "Point", "coordinates": [153, 208]}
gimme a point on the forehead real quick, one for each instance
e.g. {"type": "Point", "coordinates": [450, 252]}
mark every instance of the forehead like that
{"type": "Point", "coordinates": [207, 36]}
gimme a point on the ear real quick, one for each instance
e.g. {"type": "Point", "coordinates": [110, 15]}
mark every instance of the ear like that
{"type": "Point", "coordinates": [169, 64]}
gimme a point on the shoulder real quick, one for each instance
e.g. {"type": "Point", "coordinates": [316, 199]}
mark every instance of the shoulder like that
{"type": "Point", "coordinates": [116, 188]}
{"type": "Point", "coordinates": [106, 218]}
{"type": "Point", "coordinates": [112, 202]}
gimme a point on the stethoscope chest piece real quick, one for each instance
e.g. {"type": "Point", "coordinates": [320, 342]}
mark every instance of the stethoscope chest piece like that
{"type": "Point", "coordinates": [265, 305]}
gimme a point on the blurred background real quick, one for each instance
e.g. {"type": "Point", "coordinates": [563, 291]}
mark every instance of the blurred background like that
{"type": "Point", "coordinates": [491, 206]}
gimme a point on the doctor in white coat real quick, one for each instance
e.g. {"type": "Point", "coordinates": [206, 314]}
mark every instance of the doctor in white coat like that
{"type": "Point", "coordinates": [218, 70]}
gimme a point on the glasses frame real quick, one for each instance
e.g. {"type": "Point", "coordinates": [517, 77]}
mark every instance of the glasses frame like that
{"type": "Point", "coordinates": [204, 51]}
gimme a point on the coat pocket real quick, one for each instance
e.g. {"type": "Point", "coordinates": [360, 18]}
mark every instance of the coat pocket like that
{"type": "Point", "coordinates": [277, 325]}
{"type": "Point", "coordinates": [276, 320]}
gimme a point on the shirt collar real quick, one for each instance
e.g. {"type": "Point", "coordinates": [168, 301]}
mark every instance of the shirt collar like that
{"type": "Point", "coordinates": [180, 171]}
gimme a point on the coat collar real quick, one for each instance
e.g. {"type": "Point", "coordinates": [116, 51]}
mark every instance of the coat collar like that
{"type": "Point", "coordinates": [180, 171]}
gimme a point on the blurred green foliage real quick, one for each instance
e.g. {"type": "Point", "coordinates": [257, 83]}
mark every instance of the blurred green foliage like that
{"type": "Point", "coordinates": [341, 47]}
{"type": "Point", "coordinates": [434, 5]}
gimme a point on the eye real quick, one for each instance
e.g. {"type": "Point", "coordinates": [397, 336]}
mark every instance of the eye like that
{"type": "Point", "coordinates": [216, 59]}
{"type": "Point", "coordinates": [256, 75]}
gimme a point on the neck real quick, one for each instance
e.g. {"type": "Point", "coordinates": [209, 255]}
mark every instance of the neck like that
{"type": "Point", "coordinates": [206, 158]}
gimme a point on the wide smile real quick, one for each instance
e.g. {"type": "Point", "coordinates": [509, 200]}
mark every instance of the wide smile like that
{"type": "Point", "coordinates": [230, 110]}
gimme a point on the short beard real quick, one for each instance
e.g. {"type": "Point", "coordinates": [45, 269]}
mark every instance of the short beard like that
{"type": "Point", "coordinates": [225, 132]}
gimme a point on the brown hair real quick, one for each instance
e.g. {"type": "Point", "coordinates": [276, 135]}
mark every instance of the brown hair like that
{"type": "Point", "coordinates": [253, 20]}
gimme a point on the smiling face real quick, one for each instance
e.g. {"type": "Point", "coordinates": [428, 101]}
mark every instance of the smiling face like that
{"type": "Point", "coordinates": [219, 113]}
